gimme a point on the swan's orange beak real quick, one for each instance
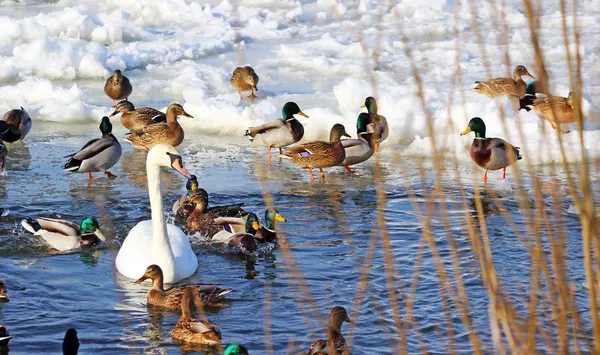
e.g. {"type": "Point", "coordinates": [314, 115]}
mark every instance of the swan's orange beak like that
{"type": "Point", "coordinates": [178, 165]}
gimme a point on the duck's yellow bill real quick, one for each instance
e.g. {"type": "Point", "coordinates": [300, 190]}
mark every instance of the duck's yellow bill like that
{"type": "Point", "coordinates": [303, 114]}
{"type": "Point", "coordinates": [100, 235]}
{"type": "Point", "coordinates": [255, 225]}
{"type": "Point", "coordinates": [363, 106]}
{"type": "Point", "coordinates": [280, 218]}
{"type": "Point", "coordinates": [466, 131]}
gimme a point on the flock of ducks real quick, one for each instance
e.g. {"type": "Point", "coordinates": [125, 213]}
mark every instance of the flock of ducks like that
{"type": "Point", "coordinates": [160, 252]}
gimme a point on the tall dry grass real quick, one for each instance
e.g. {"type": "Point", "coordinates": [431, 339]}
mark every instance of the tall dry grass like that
{"type": "Point", "coordinates": [544, 317]}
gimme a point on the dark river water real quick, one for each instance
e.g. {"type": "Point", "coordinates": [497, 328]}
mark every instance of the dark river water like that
{"type": "Point", "coordinates": [328, 234]}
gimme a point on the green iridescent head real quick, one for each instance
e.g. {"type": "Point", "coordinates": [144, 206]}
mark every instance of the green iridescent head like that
{"type": "Point", "coordinates": [475, 125]}
{"type": "Point", "coordinates": [235, 349]}
{"type": "Point", "coordinates": [371, 105]}
{"type": "Point", "coordinates": [252, 224]}
{"type": "Point", "coordinates": [91, 225]}
{"type": "Point", "coordinates": [290, 109]}
{"type": "Point", "coordinates": [105, 125]}
{"type": "Point", "coordinates": [191, 185]}
{"type": "Point", "coordinates": [272, 215]}
{"type": "Point", "coordinates": [362, 122]}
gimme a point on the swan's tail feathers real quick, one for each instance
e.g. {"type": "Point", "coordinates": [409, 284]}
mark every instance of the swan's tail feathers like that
{"type": "Point", "coordinates": [72, 165]}
{"type": "Point", "coordinates": [31, 225]}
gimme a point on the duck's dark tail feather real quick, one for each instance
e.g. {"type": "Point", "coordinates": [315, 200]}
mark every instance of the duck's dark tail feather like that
{"type": "Point", "coordinates": [526, 101]}
{"type": "Point", "coordinates": [31, 225]}
{"type": "Point", "coordinates": [518, 151]}
{"type": "Point", "coordinates": [72, 165]}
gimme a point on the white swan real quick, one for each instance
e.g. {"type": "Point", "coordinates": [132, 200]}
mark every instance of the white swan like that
{"type": "Point", "coordinates": [155, 242]}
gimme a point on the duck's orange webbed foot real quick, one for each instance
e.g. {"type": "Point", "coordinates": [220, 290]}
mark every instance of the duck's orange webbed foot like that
{"type": "Point", "coordinates": [110, 175]}
{"type": "Point", "coordinates": [348, 168]}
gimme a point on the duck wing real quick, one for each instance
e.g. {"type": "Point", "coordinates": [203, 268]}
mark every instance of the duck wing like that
{"type": "Point", "coordinates": [93, 148]}
{"type": "Point", "coordinates": [53, 225]}
{"type": "Point", "coordinates": [265, 127]}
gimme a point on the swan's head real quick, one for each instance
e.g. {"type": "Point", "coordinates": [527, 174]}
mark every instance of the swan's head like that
{"type": "Point", "coordinates": [167, 156]}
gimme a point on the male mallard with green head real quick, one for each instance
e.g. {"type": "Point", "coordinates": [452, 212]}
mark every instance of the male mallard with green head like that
{"type": "Point", "coordinates": [281, 132]}
{"type": "Point", "coordinates": [169, 133]}
{"type": "Point", "coordinates": [202, 217]}
{"type": "Point", "coordinates": [185, 205]}
{"type": "Point", "coordinates": [266, 233]}
{"type": "Point", "coordinates": [556, 110]}
{"type": "Point", "coordinates": [244, 79]}
{"type": "Point", "coordinates": [490, 153]}
{"type": "Point", "coordinates": [319, 154]}
{"type": "Point", "coordinates": [505, 86]}
{"type": "Point", "coordinates": [361, 149]}
{"type": "Point", "coordinates": [191, 330]}
{"type": "Point", "coordinates": [232, 236]}
{"type": "Point", "coordinates": [170, 298]}
{"type": "Point", "coordinates": [335, 342]}
{"type": "Point", "coordinates": [132, 118]}
{"type": "Point", "coordinates": [97, 155]}
{"type": "Point", "coordinates": [117, 87]}
{"type": "Point", "coordinates": [235, 349]}
{"type": "Point", "coordinates": [64, 235]}
{"type": "Point", "coordinates": [382, 130]}
{"type": "Point", "coordinates": [15, 125]}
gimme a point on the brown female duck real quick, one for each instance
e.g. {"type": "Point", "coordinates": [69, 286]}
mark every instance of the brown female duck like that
{"type": "Point", "coordinates": [202, 218]}
{"type": "Point", "coordinates": [505, 86]}
{"type": "Point", "coordinates": [117, 87]}
{"type": "Point", "coordinates": [244, 79]}
{"type": "Point", "coordinates": [171, 297]}
{"type": "Point", "coordinates": [490, 153]}
{"type": "Point", "coordinates": [188, 329]}
{"type": "Point", "coordinates": [319, 154]}
{"type": "Point", "coordinates": [169, 132]}
{"type": "Point", "coordinates": [335, 342]}
{"type": "Point", "coordinates": [132, 118]}
{"type": "Point", "coordinates": [15, 125]}
{"type": "Point", "coordinates": [556, 109]}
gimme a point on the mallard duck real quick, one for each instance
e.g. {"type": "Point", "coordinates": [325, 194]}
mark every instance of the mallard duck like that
{"type": "Point", "coordinates": [266, 233]}
{"type": "Point", "coordinates": [188, 329]}
{"type": "Point", "coordinates": [3, 154]}
{"type": "Point", "coordinates": [3, 292]}
{"type": "Point", "coordinates": [556, 109]}
{"type": "Point", "coordinates": [382, 130]}
{"type": "Point", "coordinates": [530, 96]}
{"type": "Point", "coordinates": [244, 79]}
{"type": "Point", "coordinates": [171, 297]}
{"type": "Point", "coordinates": [202, 217]}
{"type": "Point", "coordinates": [97, 155]}
{"type": "Point", "coordinates": [15, 125]}
{"type": "Point", "coordinates": [4, 336]}
{"type": "Point", "coordinates": [232, 234]}
{"type": "Point", "coordinates": [118, 87]}
{"type": "Point", "coordinates": [361, 149]}
{"type": "Point", "coordinates": [169, 132]}
{"type": "Point", "coordinates": [64, 235]}
{"type": "Point", "coordinates": [505, 86]}
{"type": "Point", "coordinates": [319, 154]}
{"type": "Point", "coordinates": [132, 118]}
{"type": "Point", "coordinates": [335, 342]}
{"type": "Point", "coordinates": [281, 132]}
{"type": "Point", "coordinates": [490, 153]}
{"type": "Point", "coordinates": [70, 345]}
{"type": "Point", "coordinates": [185, 205]}
{"type": "Point", "coordinates": [235, 349]}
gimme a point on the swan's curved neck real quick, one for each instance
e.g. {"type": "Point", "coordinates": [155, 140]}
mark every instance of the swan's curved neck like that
{"type": "Point", "coordinates": [161, 248]}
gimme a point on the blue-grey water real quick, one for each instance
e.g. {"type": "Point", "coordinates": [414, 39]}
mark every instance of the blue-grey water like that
{"type": "Point", "coordinates": [328, 232]}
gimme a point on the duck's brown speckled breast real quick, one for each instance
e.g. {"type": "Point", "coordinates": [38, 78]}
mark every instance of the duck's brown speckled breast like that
{"type": "Point", "coordinates": [480, 152]}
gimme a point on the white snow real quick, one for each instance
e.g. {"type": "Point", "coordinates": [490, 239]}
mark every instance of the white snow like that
{"type": "Point", "coordinates": [326, 55]}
